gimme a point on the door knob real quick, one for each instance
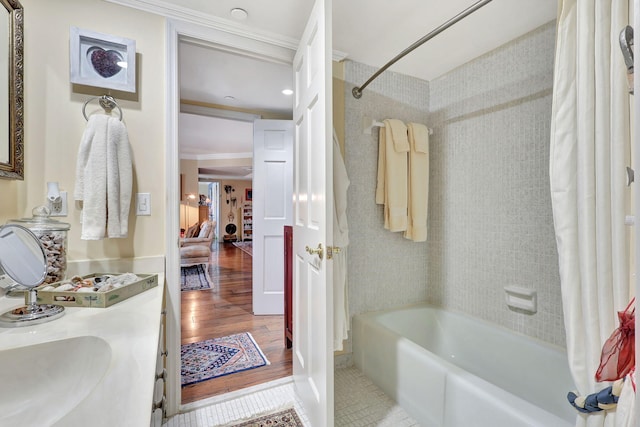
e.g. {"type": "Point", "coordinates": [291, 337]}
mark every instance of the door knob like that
{"type": "Point", "coordinates": [318, 251]}
{"type": "Point", "coordinates": [331, 251]}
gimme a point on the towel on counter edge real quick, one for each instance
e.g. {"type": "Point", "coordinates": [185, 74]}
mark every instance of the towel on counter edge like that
{"type": "Point", "coordinates": [391, 189]}
{"type": "Point", "coordinates": [104, 178]}
{"type": "Point", "coordinates": [418, 201]}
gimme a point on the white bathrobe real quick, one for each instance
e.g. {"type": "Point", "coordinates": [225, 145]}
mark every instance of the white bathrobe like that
{"type": "Point", "coordinates": [104, 178]}
{"type": "Point", "coordinates": [341, 240]}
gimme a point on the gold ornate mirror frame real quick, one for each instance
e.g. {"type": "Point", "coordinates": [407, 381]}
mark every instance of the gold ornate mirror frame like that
{"type": "Point", "coordinates": [14, 167]}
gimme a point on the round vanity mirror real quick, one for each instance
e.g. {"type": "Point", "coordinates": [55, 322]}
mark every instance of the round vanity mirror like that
{"type": "Point", "coordinates": [22, 257]}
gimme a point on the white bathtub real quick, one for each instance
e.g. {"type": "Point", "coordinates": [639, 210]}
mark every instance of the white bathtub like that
{"type": "Point", "coordinates": [451, 370]}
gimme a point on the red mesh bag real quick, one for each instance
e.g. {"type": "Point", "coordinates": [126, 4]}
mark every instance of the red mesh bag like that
{"type": "Point", "coordinates": [619, 351]}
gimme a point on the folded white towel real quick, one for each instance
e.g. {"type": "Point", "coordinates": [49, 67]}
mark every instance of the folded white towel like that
{"type": "Point", "coordinates": [104, 178]}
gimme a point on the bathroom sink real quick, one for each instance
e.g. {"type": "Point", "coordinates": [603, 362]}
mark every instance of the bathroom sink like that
{"type": "Point", "coordinates": [41, 383]}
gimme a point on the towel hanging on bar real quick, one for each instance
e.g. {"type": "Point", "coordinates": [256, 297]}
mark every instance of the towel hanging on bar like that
{"type": "Point", "coordinates": [368, 124]}
{"type": "Point", "coordinates": [104, 178]}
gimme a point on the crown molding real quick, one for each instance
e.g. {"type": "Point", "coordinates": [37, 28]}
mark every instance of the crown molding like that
{"type": "Point", "coordinates": [222, 113]}
{"type": "Point", "coordinates": [219, 156]}
{"type": "Point", "coordinates": [209, 178]}
{"type": "Point", "coordinates": [180, 13]}
{"type": "Point", "coordinates": [189, 15]}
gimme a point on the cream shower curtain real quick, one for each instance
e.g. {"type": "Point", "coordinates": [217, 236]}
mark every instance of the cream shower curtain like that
{"type": "Point", "coordinates": [590, 145]}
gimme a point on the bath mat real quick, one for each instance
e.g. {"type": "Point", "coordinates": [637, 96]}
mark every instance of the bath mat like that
{"type": "Point", "coordinates": [204, 360]}
{"type": "Point", "coordinates": [283, 418]}
{"type": "Point", "coordinates": [246, 247]}
{"type": "Point", "coordinates": [194, 278]}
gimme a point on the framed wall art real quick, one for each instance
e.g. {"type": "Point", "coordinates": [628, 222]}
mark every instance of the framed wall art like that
{"type": "Point", "coordinates": [102, 60]}
{"type": "Point", "coordinates": [248, 194]}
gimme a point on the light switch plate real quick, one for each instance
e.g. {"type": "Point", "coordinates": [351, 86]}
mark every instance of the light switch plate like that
{"type": "Point", "coordinates": [143, 204]}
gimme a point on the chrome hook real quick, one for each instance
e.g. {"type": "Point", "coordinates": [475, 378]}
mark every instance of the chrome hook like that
{"type": "Point", "coordinates": [626, 43]}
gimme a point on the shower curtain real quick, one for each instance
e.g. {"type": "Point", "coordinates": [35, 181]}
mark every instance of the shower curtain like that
{"type": "Point", "coordinates": [590, 145]}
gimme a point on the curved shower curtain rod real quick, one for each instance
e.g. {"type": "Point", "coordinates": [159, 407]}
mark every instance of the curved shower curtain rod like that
{"type": "Point", "coordinates": [357, 91]}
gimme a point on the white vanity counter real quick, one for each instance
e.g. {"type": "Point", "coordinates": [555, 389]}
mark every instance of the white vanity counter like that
{"type": "Point", "coordinates": [123, 397]}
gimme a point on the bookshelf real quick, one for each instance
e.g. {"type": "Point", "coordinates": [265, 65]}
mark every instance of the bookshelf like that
{"type": "Point", "coordinates": [246, 218]}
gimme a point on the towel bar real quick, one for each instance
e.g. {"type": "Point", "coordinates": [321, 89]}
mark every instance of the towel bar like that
{"type": "Point", "coordinates": [368, 124]}
{"type": "Point", "coordinates": [107, 102]}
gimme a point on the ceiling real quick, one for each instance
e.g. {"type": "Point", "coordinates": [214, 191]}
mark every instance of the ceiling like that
{"type": "Point", "coordinates": [367, 31]}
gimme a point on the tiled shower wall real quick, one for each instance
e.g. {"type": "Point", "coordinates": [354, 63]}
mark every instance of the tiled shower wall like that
{"type": "Point", "coordinates": [490, 221]}
{"type": "Point", "coordinates": [385, 270]}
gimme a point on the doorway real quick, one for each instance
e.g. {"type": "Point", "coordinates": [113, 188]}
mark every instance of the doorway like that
{"type": "Point", "coordinates": [213, 152]}
{"type": "Point", "coordinates": [226, 311]}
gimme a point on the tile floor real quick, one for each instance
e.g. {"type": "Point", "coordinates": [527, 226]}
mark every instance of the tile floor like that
{"type": "Point", "coordinates": [358, 402]}
{"type": "Point", "coordinates": [239, 405]}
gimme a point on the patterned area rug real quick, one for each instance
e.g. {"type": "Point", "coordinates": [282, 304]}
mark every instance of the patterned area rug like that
{"type": "Point", "coordinates": [285, 418]}
{"type": "Point", "coordinates": [214, 358]}
{"type": "Point", "coordinates": [194, 278]}
{"type": "Point", "coordinates": [246, 247]}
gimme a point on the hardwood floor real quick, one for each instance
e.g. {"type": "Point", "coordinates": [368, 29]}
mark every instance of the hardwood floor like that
{"type": "Point", "coordinates": [226, 310]}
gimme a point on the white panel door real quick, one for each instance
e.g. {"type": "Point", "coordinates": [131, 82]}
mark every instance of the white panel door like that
{"type": "Point", "coordinates": [313, 207]}
{"type": "Point", "coordinates": [272, 210]}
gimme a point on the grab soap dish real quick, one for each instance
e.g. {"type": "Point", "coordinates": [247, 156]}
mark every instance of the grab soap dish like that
{"type": "Point", "coordinates": [521, 298]}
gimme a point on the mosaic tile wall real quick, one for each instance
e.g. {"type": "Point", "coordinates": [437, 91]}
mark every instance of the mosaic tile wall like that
{"type": "Point", "coordinates": [490, 221]}
{"type": "Point", "coordinates": [385, 270]}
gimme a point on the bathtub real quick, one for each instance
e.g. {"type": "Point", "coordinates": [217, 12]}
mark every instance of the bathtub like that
{"type": "Point", "coordinates": [450, 370]}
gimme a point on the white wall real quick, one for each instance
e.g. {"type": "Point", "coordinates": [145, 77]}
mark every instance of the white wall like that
{"type": "Point", "coordinates": [54, 122]}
